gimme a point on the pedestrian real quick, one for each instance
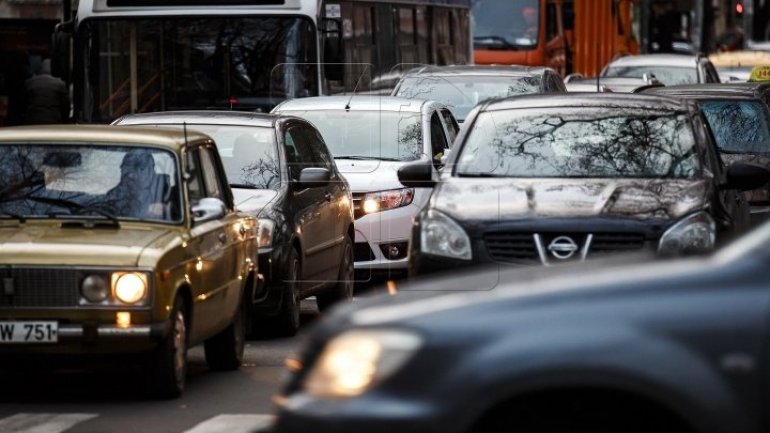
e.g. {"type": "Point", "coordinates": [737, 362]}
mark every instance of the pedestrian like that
{"type": "Point", "coordinates": [47, 98]}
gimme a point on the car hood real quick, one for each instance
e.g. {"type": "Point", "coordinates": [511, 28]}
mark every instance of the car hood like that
{"type": "Point", "coordinates": [370, 175]}
{"type": "Point", "coordinates": [252, 201]}
{"type": "Point", "coordinates": [493, 199]}
{"type": "Point", "coordinates": [35, 243]}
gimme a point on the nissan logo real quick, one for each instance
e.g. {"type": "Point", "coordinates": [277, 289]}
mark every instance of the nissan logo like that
{"type": "Point", "coordinates": [563, 247]}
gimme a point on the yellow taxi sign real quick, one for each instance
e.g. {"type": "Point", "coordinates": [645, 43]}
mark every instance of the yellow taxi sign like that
{"type": "Point", "coordinates": [760, 73]}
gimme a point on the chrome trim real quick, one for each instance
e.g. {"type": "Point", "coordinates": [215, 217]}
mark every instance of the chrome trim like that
{"type": "Point", "coordinates": [586, 246]}
{"type": "Point", "coordinates": [75, 331]}
{"type": "Point", "coordinates": [540, 249]}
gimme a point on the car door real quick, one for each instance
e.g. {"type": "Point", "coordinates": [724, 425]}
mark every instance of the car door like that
{"type": "Point", "coordinates": [218, 244]}
{"type": "Point", "coordinates": [334, 213]}
{"type": "Point", "coordinates": [308, 206]}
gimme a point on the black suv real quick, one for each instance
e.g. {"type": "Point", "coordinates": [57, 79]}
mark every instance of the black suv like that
{"type": "Point", "coordinates": [550, 178]}
{"type": "Point", "coordinates": [280, 171]}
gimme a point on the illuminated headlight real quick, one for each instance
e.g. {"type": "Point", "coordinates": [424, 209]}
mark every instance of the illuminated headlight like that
{"type": "Point", "coordinates": [441, 236]}
{"type": "Point", "coordinates": [384, 200]}
{"type": "Point", "coordinates": [129, 287]}
{"type": "Point", "coordinates": [693, 234]}
{"type": "Point", "coordinates": [354, 361]}
{"type": "Point", "coordinates": [94, 288]}
{"type": "Point", "coordinates": [265, 232]}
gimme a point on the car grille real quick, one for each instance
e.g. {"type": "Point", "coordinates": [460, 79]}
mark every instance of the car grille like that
{"type": "Point", "coordinates": [518, 247]}
{"type": "Point", "coordinates": [358, 205]}
{"type": "Point", "coordinates": [38, 287]}
{"type": "Point", "coordinates": [362, 252]}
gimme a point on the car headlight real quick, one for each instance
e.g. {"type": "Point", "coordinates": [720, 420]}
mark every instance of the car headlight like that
{"type": "Point", "coordinates": [354, 361]}
{"type": "Point", "coordinates": [694, 233]}
{"type": "Point", "coordinates": [441, 236]}
{"type": "Point", "coordinates": [265, 229]}
{"type": "Point", "coordinates": [129, 287]}
{"type": "Point", "coordinates": [94, 288]}
{"type": "Point", "coordinates": [384, 200]}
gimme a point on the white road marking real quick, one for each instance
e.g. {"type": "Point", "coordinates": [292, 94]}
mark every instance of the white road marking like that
{"type": "Point", "coordinates": [232, 424]}
{"type": "Point", "coordinates": [42, 422]}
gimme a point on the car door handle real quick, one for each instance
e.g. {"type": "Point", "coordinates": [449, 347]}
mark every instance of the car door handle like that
{"type": "Point", "coordinates": [222, 237]}
{"type": "Point", "coordinates": [328, 196]}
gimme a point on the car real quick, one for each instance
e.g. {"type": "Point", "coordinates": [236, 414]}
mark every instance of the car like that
{"type": "Point", "coordinates": [737, 65]}
{"type": "Point", "coordinates": [578, 83]}
{"type": "Point", "coordinates": [370, 138]}
{"type": "Point", "coordinates": [661, 346]}
{"type": "Point", "coordinates": [282, 173]}
{"type": "Point", "coordinates": [125, 242]}
{"type": "Point", "coordinates": [669, 69]}
{"type": "Point", "coordinates": [461, 87]}
{"type": "Point", "coordinates": [541, 179]}
{"type": "Point", "coordinates": [739, 117]}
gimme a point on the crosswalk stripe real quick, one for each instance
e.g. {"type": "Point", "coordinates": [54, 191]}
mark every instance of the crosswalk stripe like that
{"type": "Point", "coordinates": [42, 422]}
{"type": "Point", "coordinates": [232, 424]}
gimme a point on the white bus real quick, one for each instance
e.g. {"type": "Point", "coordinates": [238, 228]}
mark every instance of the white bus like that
{"type": "Point", "coordinates": [128, 56]}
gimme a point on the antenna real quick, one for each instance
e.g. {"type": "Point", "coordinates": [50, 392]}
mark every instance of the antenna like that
{"type": "Point", "coordinates": [360, 77]}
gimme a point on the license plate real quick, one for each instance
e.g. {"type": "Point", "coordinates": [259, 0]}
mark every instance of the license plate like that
{"type": "Point", "coordinates": [29, 332]}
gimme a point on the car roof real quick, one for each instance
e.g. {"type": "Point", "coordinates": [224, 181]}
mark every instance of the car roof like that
{"type": "Point", "coordinates": [479, 70]}
{"type": "Point", "coordinates": [354, 103]}
{"type": "Point", "coordinates": [171, 138]}
{"type": "Point", "coordinates": [586, 99]}
{"type": "Point", "coordinates": [612, 84]}
{"type": "Point", "coordinates": [741, 58]}
{"type": "Point", "coordinates": [712, 89]}
{"type": "Point", "coordinates": [210, 117]}
{"type": "Point", "coordinates": [656, 59]}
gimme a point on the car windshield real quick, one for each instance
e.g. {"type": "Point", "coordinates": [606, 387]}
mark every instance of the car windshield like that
{"type": "Point", "coordinates": [580, 142]}
{"type": "Point", "coordinates": [88, 181]}
{"type": "Point", "coordinates": [249, 154]}
{"type": "Point", "coordinates": [739, 126]}
{"type": "Point", "coordinates": [668, 75]}
{"type": "Point", "coordinates": [505, 23]}
{"type": "Point", "coordinates": [384, 135]}
{"type": "Point", "coordinates": [461, 93]}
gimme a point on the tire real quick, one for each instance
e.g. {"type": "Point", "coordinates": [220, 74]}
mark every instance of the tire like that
{"type": "Point", "coordinates": [224, 351]}
{"type": "Point", "coordinates": [286, 323]}
{"type": "Point", "coordinates": [168, 362]}
{"type": "Point", "coordinates": [343, 290]}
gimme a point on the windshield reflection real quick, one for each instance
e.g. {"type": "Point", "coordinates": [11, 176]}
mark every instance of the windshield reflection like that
{"type": "Point", "coordinates": [738, 126]}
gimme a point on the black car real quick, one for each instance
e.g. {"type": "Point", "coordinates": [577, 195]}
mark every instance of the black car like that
{"type": "Point", "coordinates": [280, 171]}
{"type": "Point", "coordinates": [548, 178]}
{"type": "Point", "coordinates": [661, 347]}
{"type": "Point", "coordinates": [461, 87]}
{"type": "Point", "coordinates": [739, 117]}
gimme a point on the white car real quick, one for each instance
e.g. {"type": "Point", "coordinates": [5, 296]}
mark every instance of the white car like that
{"type": "Point", "coordinates": [370, 138]}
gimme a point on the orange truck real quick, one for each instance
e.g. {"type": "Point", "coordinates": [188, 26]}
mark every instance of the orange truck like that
{"type": "Point", "coordinates": [571, 36]}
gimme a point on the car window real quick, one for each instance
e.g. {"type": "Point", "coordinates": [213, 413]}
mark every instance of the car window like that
{"type": "Point", "coordinates": [195, 182]}
{"type": "Point", "coordinates": [587, 142]}
{"type": "Point", "coordinates": [668, 75]}
{"type": "Point", "coordinates": [739, 126]}
{"type": "Point", "coordinates": [451, 125]}
{"type": "Point", "coordinates": [438, 141]}
{"type": "Point", "coordinates": [298, 153]}
{"type": "Point", "coordinates": [214, 187]}
{"type": "Point", "coordinates": [712, 76]}
{"type": "Point", "coordinates": [321, 156]}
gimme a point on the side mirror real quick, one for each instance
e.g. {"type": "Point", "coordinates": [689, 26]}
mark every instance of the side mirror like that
{"type": "Point", "coordinates": [417, 175]}
{"type": "Point", "coordinates": [745, 177]}
{"type": "Point", "coordinates": [445, 156]}
{"type": "Point", "coordinates": [207, 209]}
{"type": "Point", "coordinates": [334, 68]}
{"type": "Point", "coordinates": [313, 177]}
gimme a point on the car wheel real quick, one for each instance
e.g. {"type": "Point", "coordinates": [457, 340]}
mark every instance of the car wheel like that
{"type": "Point", "coordinates": [168, 362]}
{"type": "Point", "coordinates": [343, 290]}
{"type": "Point", "coordinates": [286, 323]}
{"type": "Point", "coordinates": [224, 351]}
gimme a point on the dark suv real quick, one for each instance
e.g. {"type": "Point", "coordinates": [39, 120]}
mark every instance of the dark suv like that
{"type": "Point", "coordinates": [552, 178]}
{"type": "Point", "coordinates": [280, 171]}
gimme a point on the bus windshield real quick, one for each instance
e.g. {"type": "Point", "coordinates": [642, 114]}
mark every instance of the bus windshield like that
{"type": "Point", "coordinates": [166, 63]}
{"type": "Point", "coordinates": [505, 24]}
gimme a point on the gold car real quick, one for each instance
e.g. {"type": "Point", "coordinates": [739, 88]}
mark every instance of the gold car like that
{"type": "Point", "coordinates": [122, 240]}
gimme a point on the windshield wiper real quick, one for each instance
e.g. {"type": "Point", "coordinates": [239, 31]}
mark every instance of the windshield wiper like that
{"type": "Point", "coordinates": [477, 175]}
{"type": "Point", "coordinates": [13, 215]}
{"type": "Point", "coordinates": [363, 158]}
{"type": "Point", "coordinates": [69, 204]}
{"type": "Point", "coordinates": [497, 41]}
{"type": "Point", "coordinates": [243, 186]}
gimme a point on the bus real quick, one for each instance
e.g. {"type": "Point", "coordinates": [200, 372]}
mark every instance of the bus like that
{"type": "Point", "coordinates": [130, 56]}
{"type": "Point", "coordinates": [571, 36]}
